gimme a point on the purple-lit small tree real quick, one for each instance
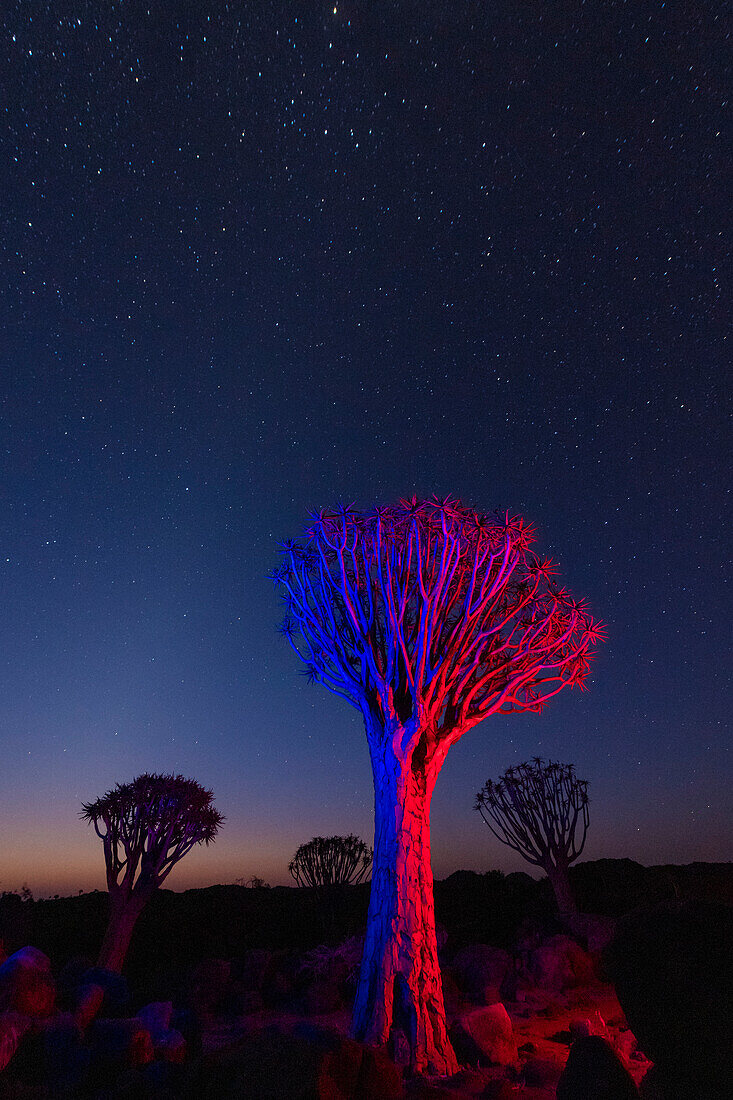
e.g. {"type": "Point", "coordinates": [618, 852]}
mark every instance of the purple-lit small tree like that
{"type": "Point", "coordinates": [427, 617]}
{"type": "Point", "coordinates": [541, 811]}
{"type": "Point", "coordinates": [146, 827]}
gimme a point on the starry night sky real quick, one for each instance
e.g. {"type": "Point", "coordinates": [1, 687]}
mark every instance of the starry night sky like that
{"type": "Point", "coordinates": [263, 257]}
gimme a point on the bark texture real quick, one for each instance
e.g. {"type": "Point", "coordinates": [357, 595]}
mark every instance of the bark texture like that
{"type": "Point", "coordinates": [400, 984]}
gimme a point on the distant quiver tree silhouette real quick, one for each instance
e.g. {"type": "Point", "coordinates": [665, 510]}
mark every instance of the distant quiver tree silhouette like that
{"type": "Point", "coordinates": [146, 827]}
{"type": "Point", "coordinates": [331, 861]}
{"type": "Point", "coordinates": [540, 809]}
{"type": "Point", "coordinates": [427, 617]}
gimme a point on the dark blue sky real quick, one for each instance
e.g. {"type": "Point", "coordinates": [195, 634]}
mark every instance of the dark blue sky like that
{"type": "Point", "coordinates": [261, 257]}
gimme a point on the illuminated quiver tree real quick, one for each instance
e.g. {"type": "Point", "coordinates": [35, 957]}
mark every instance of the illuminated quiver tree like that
{"type": "Point", "coordinates": [146, 827]}
{"type": "Point", "coordinates": [427, 617]}
{"type": "Point", "coordinates": [541, 811]}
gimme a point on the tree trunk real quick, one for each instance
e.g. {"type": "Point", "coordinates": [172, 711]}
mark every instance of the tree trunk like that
{"type": "Point", "coordinates": [560, 882]}
{"type": "Point", "coordinates": [122, 919]}
{"type": "Point", "coordinates": [400, 984]}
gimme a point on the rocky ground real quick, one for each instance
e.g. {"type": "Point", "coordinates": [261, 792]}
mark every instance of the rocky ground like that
{"type": "Point", "coordinates": [275, 1024]}
{"type": "Point", "coordinates": [535, 1048]}
{"type": "Point", "coordinates": [268, 1016]}
{"type": "Point", "coordinates": [508, 1047]}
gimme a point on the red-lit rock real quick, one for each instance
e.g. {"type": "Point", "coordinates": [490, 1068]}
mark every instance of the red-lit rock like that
{"type": "Point", "coordinates": [13, 1026]}
{"type": "Point", "coordinates": [26, 983]}
{"type": "Point", "coordinates": [485, 1034]}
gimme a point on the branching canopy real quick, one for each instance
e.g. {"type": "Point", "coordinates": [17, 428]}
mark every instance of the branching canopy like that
{"type": "Point", "coordinates": [148, 825]}
{"type": "Point", "coordinates": [540, 809]}
{"type": "Point", "coordinates": [327, 861]}
{"type": "Point", "coordinates": [426, 615]}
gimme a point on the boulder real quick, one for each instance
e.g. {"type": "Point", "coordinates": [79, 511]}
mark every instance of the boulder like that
{"type": "Point", "coordinates": [89, 1000]}
{"type": "Point", "coordinates": [156, 1016]}
{"type": "Point", "coordinates": [168, 1043]}
{"type": "Point", "coordinates": [170, 1046]}
{"type": "Point", "coordinates": [593, 1069]}
{"type": "Point", "coordinates": [485, 1034]}
{"type": "Point", "coordinates": [27, 984]}
{"type": "Point", "coordinates": [671, 967]}
{"type": "Point", "coordinates": [13, 1026]}
{"type": "Point", "coordinates": [559, 963]}
{"type": "Point", "coordinates": [480, 970]}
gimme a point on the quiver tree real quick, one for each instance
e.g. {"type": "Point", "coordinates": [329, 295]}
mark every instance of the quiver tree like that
{"type": "Point", "coordinates": [427, 618]}
{"type": "Point", "coordinates": [146, 827]}
{"type": "Point", "coordinates": [327, 862]}
{"type": "Point", "coordinates": [541, 811]}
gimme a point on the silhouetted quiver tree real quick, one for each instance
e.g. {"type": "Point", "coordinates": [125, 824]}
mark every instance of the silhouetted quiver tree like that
{"type": "Point", "coordinates": [540, 809]}
{"type": "Point", "coordinates": [326, 862]}
{"type": "Point", "coordinates": [146, 827]}
{"type": "Point", "coordinates": [427, 617]}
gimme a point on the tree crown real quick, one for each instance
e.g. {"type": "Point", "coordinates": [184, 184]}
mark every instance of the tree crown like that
{"type": "Point", "coordinates": [536, 808]}
{"type": "Point", "coordinates": [151, 823]}
{"type": "Point", "coordinates": [428, 612]}
{"type": "Point", "coordinates": [327, 861]}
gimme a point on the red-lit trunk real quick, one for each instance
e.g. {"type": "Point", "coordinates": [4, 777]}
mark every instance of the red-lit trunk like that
{"type": "Point", "coordinates": [400, 983]}
{"type": "Point", "coordinates": [122, 920]}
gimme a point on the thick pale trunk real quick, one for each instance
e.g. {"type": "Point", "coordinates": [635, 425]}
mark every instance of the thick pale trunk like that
{"type": "Point", "coordinates": [122, 920]}
{"type": "Point", "coordinates": [400, 984]}
{"type": "Point", "coordinates": [560, 882]}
